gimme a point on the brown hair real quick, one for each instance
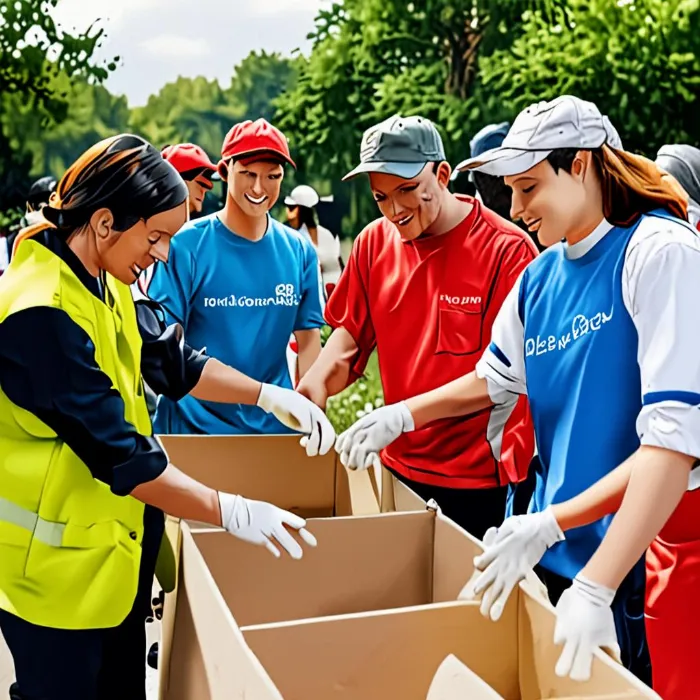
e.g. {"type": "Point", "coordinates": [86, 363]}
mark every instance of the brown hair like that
{"type": "Point", "coordinates": [632, 185]}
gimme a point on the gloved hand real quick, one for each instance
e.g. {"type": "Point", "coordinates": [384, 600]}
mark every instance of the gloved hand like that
{"type": "Point", "coordinates": [298, 413]}
{"type": "Point", "coordinates": [511, 552]}
{"type": "Point", "coordinates": [584, 622]}
{"type": "Point", "coordinates": [258, 522]}
{"type": "Point", "coordinates": [360, 444]}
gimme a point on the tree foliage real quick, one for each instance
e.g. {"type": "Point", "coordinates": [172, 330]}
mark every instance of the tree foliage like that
{"type": "Point", "coordinates": [462, 63]}
{"type": "Point", "coordinates": [638, 60]}
{"type": "Point", "coordinates": [34, 52]}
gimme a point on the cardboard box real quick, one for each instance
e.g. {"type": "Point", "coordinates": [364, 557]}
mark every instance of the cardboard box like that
{"type": "Point", "coordinates": [274, 468]}
{"type": "Point", "coordinates": [369, 615]}
{"type": "Point", "coordinates": [455, 680]}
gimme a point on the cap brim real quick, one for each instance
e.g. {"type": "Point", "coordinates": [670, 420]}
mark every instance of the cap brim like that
{"type": "Point", "coordinates": [402, 170]}
{"type": "Point", "coordinates": [504, 161]}
{"type": "Point", "coordinates": [250, 156]}
{"type": "Point", "coordinates": [290, 202]}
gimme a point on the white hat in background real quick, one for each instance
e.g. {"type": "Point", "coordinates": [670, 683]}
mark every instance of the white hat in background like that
{"type": "Point", "coordinates": [302, 196]}
{"type": "Point", "coordinates": [566, 122]}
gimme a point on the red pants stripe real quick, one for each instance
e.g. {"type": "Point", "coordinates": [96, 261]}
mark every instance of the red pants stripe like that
{"type": "Point", "coordinates": [673, 603]}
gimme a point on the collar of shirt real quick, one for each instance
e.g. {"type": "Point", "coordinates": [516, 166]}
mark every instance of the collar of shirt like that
{"type": "Point", "coordinates": [578, 250]}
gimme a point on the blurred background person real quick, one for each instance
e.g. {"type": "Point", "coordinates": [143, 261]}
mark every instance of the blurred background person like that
{"type": "Point", "coordinates": [37, 198]}
{"type": "Point", "coordinates": [683, 162]}
{"type": "Point", "coordinates": [302, 216]}
{"type": "Point", "coordinates": [196, 169]}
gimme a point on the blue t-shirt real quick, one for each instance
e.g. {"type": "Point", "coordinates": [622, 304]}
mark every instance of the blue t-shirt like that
{"type": "Point", "coordinates": [241, 300]}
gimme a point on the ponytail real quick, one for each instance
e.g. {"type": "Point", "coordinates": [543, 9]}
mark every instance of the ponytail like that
{"type": "Point", "coordinates": [634, 185]}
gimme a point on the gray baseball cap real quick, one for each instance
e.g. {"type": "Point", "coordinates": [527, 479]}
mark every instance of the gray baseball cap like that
{"type": "Point", "coordinates": [566, 122]}
{"type": "Point", "coordinates": [400, 146]}
{"type": "Point", "coordinates": [683, 162]}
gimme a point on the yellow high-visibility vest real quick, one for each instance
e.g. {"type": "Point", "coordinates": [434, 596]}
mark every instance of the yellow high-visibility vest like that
{"type": "Point", "coordinates": [70, 549]}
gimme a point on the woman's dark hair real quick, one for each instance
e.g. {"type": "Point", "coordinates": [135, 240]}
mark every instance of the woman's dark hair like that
{"type": "Point", "coordinates": [632, 185]}
{"type": "Point", "coordinates": [307, 216]}
{"type": "Point", "coordinates": [124, 174]}
{"type": "Point", "coordinates": [495, 194]}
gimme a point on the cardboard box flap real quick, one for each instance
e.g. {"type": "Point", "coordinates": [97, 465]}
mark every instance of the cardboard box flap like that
{"type": "Point", "coordinates": [629, 695]}
{"type": "Point", "coordinates": [226, 661]}
{"type": "Point", "coordinates": [390, 654]}
{"type": "Point", "coordinates": [273, 468]}
{"type": "Point", "coordinates": [455, 681]}
{"type": "Point", "coordinates": [360, 564]}
{"type": "Point", "coordinates": [453, 562]}
{"type": "Point", "coordinates": [539, 656]}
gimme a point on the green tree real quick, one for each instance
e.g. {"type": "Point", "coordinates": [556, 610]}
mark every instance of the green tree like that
{"type": "Point", "coordinates": [200, 111]}
{"type": "Point", "coordinates": [373, 58]}
{"type": "Point", "coordinates": [192, 110]}
{"type": "Point", "coordinates": [93, 114]}
{"type": "Point", "coordinates": [639, 61]}
{"type": "Point", "coordinates": [258, 80]}
{"type": "Point", "coordinates": [34, 50]}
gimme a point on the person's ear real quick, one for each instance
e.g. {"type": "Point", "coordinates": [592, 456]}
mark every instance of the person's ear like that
{"type": "Point", "coordinates": [443, 174]}
{"type": "Point", "coordinates": [102, 223]}
{"type": "Point", "coordinates": [223, 169]}
{"type": "Point", "coordinates": [581, 165]}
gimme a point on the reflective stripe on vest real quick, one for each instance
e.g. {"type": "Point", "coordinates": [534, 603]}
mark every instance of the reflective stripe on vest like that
{"type": "Point", "coordinates": [44, 530]}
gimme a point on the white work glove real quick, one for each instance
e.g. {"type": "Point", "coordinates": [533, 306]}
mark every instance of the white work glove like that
{"type": "Point", "coordinates": [361, 443]}
{"type": "Point", "coordinates": [584, 622]}
{"type": "Point", "coordinates": [298, 413]}
{"type": "Point", "coordinates": [258, 522]}
{"type": "Point", "coordinates": [511, 551]}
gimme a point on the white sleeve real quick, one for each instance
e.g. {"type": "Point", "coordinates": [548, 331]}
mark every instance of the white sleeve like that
{"type": "Point", "coordinates": [661, 291]}
{"type": "Point", "coordinates": [503, 362]}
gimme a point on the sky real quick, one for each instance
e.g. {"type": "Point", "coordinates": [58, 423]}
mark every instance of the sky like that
{"type": "Point", "coordinates": [159, 40]}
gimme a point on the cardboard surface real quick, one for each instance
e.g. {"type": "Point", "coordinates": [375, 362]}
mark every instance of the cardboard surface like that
{"type": "Point", "coordinates": [390, 654]}
{"type": "Point", "coordinates": [539, 656]}
{"type": "Point", "coordinates": [394, 495]}
{"type": "Point", "coordinates": [369, 614]}
{"type": "Point", "coordinates": [360, 564]}
{"type": "Point", "coordinates": [454, 680]}
{"type": "Point", "coordinates": [274, 468]}
{"type": "Point", "coordinates": [209, 655]}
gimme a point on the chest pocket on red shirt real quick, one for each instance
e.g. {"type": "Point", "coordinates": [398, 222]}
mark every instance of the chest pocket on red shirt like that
{"type": "Point", "coordinates": [459, 324]}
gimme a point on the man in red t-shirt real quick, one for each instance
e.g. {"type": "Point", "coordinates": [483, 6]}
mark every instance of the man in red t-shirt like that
{"type": "Point", "coordinates": [423, 285]}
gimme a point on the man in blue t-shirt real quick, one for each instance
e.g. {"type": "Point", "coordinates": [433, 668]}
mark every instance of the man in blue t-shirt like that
{"type": "Point", "coordinates": [241, 284]}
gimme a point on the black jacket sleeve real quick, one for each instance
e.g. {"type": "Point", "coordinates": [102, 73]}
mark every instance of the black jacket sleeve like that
{"type": "Point", "coordinates": [48, 367]}
{"type": "Point", "coordinates": [169, 365]}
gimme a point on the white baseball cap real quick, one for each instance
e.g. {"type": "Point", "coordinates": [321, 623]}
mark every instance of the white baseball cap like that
{"type": "Point", "coordinates": [566, 122]}
{"type": "Point", "coordinates": [303, 196]}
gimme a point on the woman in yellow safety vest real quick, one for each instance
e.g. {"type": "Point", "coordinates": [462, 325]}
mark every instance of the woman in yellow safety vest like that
{"type": "Point", "coordinates": [83, 481]}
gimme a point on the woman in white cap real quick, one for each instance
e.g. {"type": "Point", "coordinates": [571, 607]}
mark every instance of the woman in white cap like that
{"type": "Point", "coordinates": [600, 332]}
{"type": "Point", "coordinates": [301, 215]}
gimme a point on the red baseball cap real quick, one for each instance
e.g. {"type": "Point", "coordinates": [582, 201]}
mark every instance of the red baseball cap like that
{"type": "Point", "coordinates": [251, 138]}
{"type": "Point", "coordinates": [188, 157]}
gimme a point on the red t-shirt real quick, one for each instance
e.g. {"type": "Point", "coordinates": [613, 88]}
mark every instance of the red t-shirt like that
{"type": "Point", "coordinates": [428, 307]}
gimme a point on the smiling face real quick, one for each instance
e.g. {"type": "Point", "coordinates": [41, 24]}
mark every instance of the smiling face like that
{"type": "Point", "coordinates": [125, 254]}
{"type": "Point", "coordinates": [255, 186]}
{"type": "Point", "coordinates": [412, 205]}
{"type": "Point", "coordinates": [554, 205]}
